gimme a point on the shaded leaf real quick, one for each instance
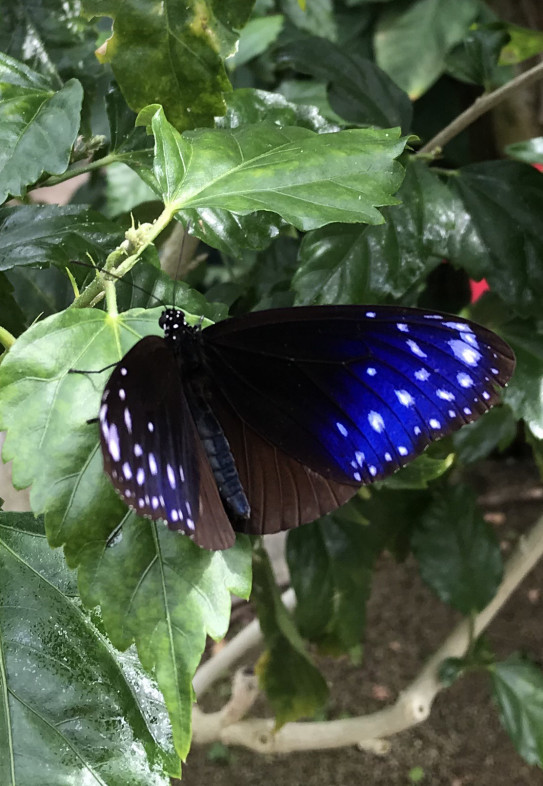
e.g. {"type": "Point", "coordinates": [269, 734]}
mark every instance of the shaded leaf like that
{"type": "Point", "coordinates": [358, 90]}
{"type": "Point", "coordinates": [64, 693]}
{"type": "Point", "coordinates": [412, 40]}
{"type": "Point", "coordinates": [504, 204]}
{"type": "Point", "coordinates": [331, 566]}
{"type": "Point", "coordinates": [518, 690]}
{"type": "Point", "coordinates": [475, 58]}
{"type": "Point", "coordinates": [457, 551]}
{"type": "Point", "coordinates": [38, 126]}
{"type": "Point", "coordinates": [152, 54]}
{"type": "Point", "coordinates": [418, 474]}
{"type": "Point", "coordinates": [255, 38]}
{"type": "Point", "coordinates": [354, 264]}
{"type": "Point", "coordinates": [308, 179]}
{"type": "Point", "coordinates": [39, 235]}
{"type": "Point", "coordinates": [523, 394]}
{"type": "Point", "coordinates": [496, 429]}
{"type": "Point", "coordinates": [294, 686]}
{"type": "Point", "coordinates": [316, 17]}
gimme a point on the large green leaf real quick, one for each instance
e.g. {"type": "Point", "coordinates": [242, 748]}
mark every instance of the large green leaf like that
{"type": "Point", "coordinates": [255, 38]}
{"type": "Point", "coordinates": [155, 588]}
{"type": "Point", "coordinates": [174, 57]}
{"type": "Point", "coordinates": [504, 205]}
{"type": "Point", "coordinates": [67, 712]}
{"type": "Point", "coordinates": [529, 151]}
{"type": "Point", "coordinates": [475, 58]}
{"type": "Point", "coordinates": [354, 264]}
{"type": "Point", "coordinates": [38, 126]}
{"type": "Point", "coordinates": [518, 690]}
{"type": "Point", "coordinates": [457, 550]}
{"type": "Point", "coordinates": [308, 179]}
{"type": "Point", "coordinates": [294, 686]}
{"type": "Point", "coordinates": [523, 43]}
{"type": "Point", "coordinates": [38, 235]}
{"type": "Point", "coordinates": [412, 39]}
{"type": "Point", "coordinates": [524, 392]}
{"type": "Point", "coordinates": [357, 89]}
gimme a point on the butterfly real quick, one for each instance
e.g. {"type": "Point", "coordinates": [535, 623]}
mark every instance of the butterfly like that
{"type": "Point", "coordinates": [266, 421]}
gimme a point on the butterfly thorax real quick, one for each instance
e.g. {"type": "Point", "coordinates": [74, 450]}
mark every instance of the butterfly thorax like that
{"type": "Point", "coordinates": [186, 343]}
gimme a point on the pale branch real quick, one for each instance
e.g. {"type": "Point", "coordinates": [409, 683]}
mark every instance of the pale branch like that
{"type": "Point", "coordinates": [412, 706]}
{"type": "Point", "coordinates": [481, 105]}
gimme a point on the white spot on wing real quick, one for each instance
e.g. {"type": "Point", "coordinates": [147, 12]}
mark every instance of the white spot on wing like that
{"type": "Point", "coordinates": [127, 420]}
{"type": "Point", "coordinates": [373, 471]}
{"type": "Point", "coordinates": [152, 464]}
{"type": "Point", "coordinates": [434, 423]}
{"type": "Point", "coordinates": [123, 371]}
{"type": "Point", "coordinates": [402, 327]}
{"type": "Point", "coordinates": [415, 349]}
{"type": "Point", "coordinates": [359, 456]}
{"type": "Point", "coordinates": [341, 428]}
{"type": "Point", "coordinates": [371, 372]}
{"type": "Point", "coordinates": [357, 476]}
{"type": "Point", "coordinates": [464, 352]}
{"type": "Point", "coordinates": [122, 394]}
{"type": "Point", "coordinates": [464, 380]}
{"type": "Point", "coordinates": [402, 450]}
{"type": "Point", "coordinates": [446, 395]}
{"type": "Point", "coordinates": [404, 398]}
{"type": "Point", "coordinates": [140, 477]}
{"type": "Point", "coordinates": [370, 314]}
{"type": "Point", "coordinates": [127, 472]}
{"type": "Point", "coordinates": [137, 449]}
{"type": "Point", "coordinates": [171, 475]}
{"type": "Point", "coordinates": [113, 443]}
{"type": "Point", "coordinates": [376, 421]}
{"type": "Point", "coordinates": [422, 375]}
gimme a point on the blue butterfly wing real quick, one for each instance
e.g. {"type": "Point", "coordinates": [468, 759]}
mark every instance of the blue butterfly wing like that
{"type": "Point", "coordinates": [352, 392]}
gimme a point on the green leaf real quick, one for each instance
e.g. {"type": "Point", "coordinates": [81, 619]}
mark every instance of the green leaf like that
{"type": "Point", "coordinates": [523, 394]}
{"type": "Point", "coordinates": [457, 551]}
{"type": "Point", "coordinates": [125, 190]}
{"type": "Point", "coordinates": [36, 235]}
{"type": "Point", "coordinates": [294, 686]}
{"type": "Point", "coordinates": [156, 588]}
{"type": "Point", "coordinates": [412, 40]}
{"type": "Point", "coordinates": [58, 675]}
{"type": "Point", "coordinates": [418, 474]}
{"type": "Point", "coordinates": [331, 566]}
{"type": "Point", "coordinates": [357, 89]}
{"type": "Point", "coordinates": [12, 317]}
{"type": "Point", "coordinates": [316, 17]}
{"type": "Point", "coordinates": [475, 58]}
{"type": "Point", "coordinates": [353, 264]}
{"type": "Point", "coordinates": [308, 179]}
{"type": "Point", "coordinates": [504, 202]}
{"type": "Point", "coordinates": [248, 105]}
{"type": "Point", "coordinates": [153, 54]}
{"type": "Point", "coordinates": [518, 689]}
{"type": "Point", "coordinates": [38, 126]}
{"type": "Point", "coordinates": [530, 151]}
{"type": "Point", "coordinates": [524, 43]}
{"type": "Point", "coordinates": [475, 441]}
{"type": "Point", "coordinates": [255, 38]}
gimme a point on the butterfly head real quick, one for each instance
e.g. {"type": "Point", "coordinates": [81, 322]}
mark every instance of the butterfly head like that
{"type": "Point", "coordinates": [172, 322]}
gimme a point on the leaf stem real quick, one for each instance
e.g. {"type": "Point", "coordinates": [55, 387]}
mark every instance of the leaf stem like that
{"type": "Point", "coordinates": [481, 105]}
{"type": "Point", "coordinates": [6, 338]}
{"type": "Point", "coordinates": [54, 180]}
{"type": "Point", "coordinates": [124, 257]}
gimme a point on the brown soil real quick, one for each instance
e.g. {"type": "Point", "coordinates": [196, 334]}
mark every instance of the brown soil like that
{"type": "Point", "coordinates": [463, 743]}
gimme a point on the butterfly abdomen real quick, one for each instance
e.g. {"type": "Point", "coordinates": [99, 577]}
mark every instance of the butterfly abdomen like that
{"type": "Point", "coordinates": [219, 454]}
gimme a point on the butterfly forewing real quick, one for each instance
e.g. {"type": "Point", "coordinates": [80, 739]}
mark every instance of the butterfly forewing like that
{"type": "Point", "coordinates": [355, 392]}
{"type": "Point", "coordinates": [151, 448]}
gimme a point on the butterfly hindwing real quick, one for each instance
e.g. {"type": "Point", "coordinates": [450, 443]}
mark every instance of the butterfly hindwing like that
{"type": "Point", "coordinates": [151, 448]}
{"type": "Point", "coordinates": [355, 392]}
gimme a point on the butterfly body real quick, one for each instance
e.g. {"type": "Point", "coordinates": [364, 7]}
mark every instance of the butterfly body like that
{"type": "Point", "coordinates": [269, 420]}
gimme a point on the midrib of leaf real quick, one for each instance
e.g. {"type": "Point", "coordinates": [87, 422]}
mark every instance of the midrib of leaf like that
{"type": "Point", "coordinates": [78, 476]}
{"type": "Point", "coordinates": [168, 617]}
{"type": "Point", "coordinates": [5, 702]}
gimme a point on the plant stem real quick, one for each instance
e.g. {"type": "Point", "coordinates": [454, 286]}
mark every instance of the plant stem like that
{"type": "Point", "coordinates": [54, 180]}
{"type": "Point", "coordinates": [481, 105]}
{"type": "Point", "coordinates": [6, 339]}
{"type": "Point", "coordinates": [125, 256]}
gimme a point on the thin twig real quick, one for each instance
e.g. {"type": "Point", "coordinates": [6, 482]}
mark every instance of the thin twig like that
{"type": "Point", "coordinates": [481, 105]}
{"type": "Point", "coordinates": [413, 705]}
